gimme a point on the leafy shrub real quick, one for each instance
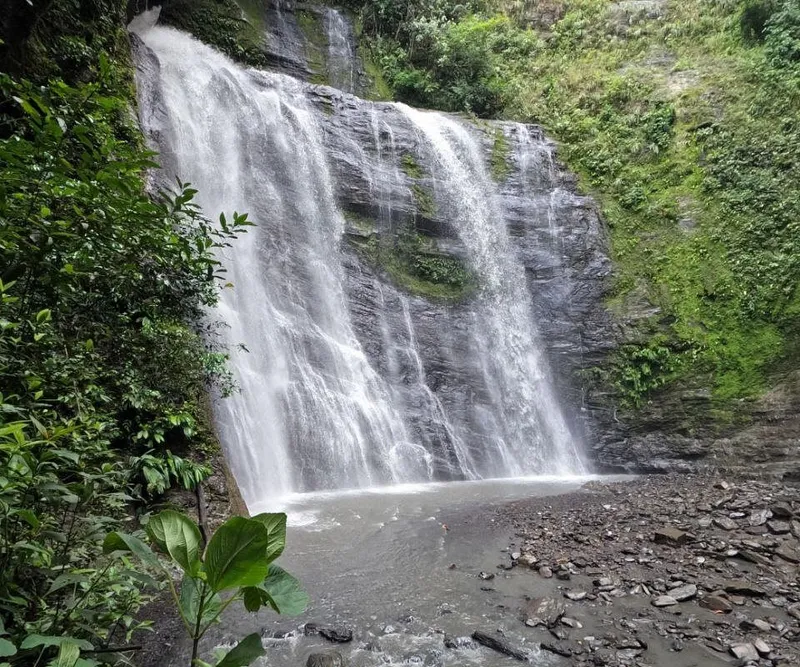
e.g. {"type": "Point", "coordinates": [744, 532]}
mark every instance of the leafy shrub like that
{"type": "Point", "coordinates": [782, 31]}
{"type": "Point", "coordinates": [98, 360]}
{"type": "Point", "coordinates": [753, 19]}
{"type": "Point", "coordinates": [238, 561]}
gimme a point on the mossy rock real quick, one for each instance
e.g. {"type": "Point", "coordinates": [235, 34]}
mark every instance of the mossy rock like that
{"type": "Point", "coordinates": [413, 262]}
{"type": "Point", "coordinates": [234, 27]}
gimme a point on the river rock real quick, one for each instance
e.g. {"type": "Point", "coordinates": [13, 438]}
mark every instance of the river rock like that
{"type": "Point", "coordinates": [743, 587]}
{"type": "Point", "coordinates": [779, 527]}
{"type": "Point", "coordinates": [545, 611]}
{"type": "Point", "coordinates": [664, 601]}
{"type": "Point", "coordinates": [671, 536]}
{"type": "Point", "coordinates": [575, 596]}
{"type": "Point", "coordinates": [762, 647]}
{"type": "Point", "coordinates": [337, 635]}
{"type": "Point", "coordinates": [725, 523]}
{"type": "Point", "coordinates": [683, 593]}
{"type": "Point", "coordinates": [545, 572]}
{"type": "Point", "coordinates": [744, 652]}
{"type": "Point", "coordinates": [759, 517]}
{"type": "Point", "coordinates": [332, 659]}
{"type": "Point", "coordinates": [782, 511]}
{"type": "Point", "coordinates": [500, 645]}
{"type": "Point", "coordinates": [559, 648]}
{"type": "Point", "coordinates": [788, 553]}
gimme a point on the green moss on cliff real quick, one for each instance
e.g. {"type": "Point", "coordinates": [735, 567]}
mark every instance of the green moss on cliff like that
{"type": "Point", "coordinates": [316, 44]}
{"type": "Point", "coordinates": [412, 261]}
{"type": "Point", "coordinates": [235, 27]}
{"type": "Point", "coordinates": [683, 120]}
{"type": "Point", "coordinates": [498, 160]}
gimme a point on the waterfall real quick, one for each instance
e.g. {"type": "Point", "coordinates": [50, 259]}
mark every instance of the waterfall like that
{"type": "Point", "coordinates": [344, 381]}
{"type": "Point", "coordinates": [341, 51]}
{"type": "Point", "coordinates": [531, 430]}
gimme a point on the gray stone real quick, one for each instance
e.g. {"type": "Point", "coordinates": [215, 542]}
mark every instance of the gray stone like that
{"type": "Point", "coordinates": [546, 572]}
{"type": "Point", "coordinates": [744, 652]}
{"type": "Point", "coordinates": [671, 536]}
{"type": "Point", "coordinates": [788, 553]}
{"type": "Point", "coordinates": [337, 635]}
{"type": "Point", "coordinates": [575, 596]}
{"type": "Point", "coordinates": [743, 587]}
{"type": "Point", "coordinates": [664, 601]}
{"type": "Point", "coordinates": [725, 523]}
{"type": "Point", "coordinates": [332, 659]}
{"type": "Point", "coordinates": [683, 593]}
{"type": "Point", "coordinates": [779, 527]}
{"type": "Point", "coordinates": [716, 603]}
{"type": "Point", "coordinates": [544, 611]}
{"type": "Point", "coordinates": [762, 647]}
{"type": "Point", "coordinates": [759, 517]}
{"type": "Point", "coordinates": [500, 645]}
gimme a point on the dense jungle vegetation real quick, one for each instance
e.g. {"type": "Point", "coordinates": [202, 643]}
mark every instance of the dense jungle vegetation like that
{"type": "Point", "coordinates": [104, 373]}
{"type": "Point", "coordinates": [683, 120]}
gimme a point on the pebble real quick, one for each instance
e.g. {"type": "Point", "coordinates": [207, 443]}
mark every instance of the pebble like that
{"type": "Point", "coordinates": [779, 527]}
{"type": "Point", "coordinates": [575, 596]}
{"type": "Point", "coordinates": [744, 652]}
{"type": "Point", "coordinates": [725, 523]}
{"type": "Point", "coordinates": [664, 601]}
{"type": "Point", "coordinates": [683, 593]}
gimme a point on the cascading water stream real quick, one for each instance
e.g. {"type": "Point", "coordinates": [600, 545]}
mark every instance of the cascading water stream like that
{"type": "Point", "coordinates": [341, 52]}
{"type": "Point", "coordinates": [315, 410]}
{"type": "Point", "coordinates": [533, 433]}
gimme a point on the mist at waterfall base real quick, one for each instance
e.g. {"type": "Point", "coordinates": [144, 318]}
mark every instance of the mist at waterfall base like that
{"type": "Point", "coordinates": [321, 405]}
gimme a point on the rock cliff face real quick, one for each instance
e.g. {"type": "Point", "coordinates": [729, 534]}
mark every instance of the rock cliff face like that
{"type": "Point", "coordinates": [419, 337]}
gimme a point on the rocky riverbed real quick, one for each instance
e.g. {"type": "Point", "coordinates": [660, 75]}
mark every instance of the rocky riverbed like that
{"type": "Point", "coordinates": [667, 570]}
{"type": "Point", "coordinates": [677, 571]}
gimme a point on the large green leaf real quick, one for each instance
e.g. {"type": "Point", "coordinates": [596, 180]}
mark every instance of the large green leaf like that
{"type": "Point", "coordinates": [124, 542]}
{"type": "Point", "coordinates": [275, 523]}
{"type": "Point", "coordinates": [254, 598]}
{"type": "Point", "coordinates": [191, 594]}
{"type": "Point", "coordinates": [32, 641]}
{"type": "Point", "coordinates": [284, 591]}
{"type": "Point", "coordinates": [7, 648]}
{"type": "Point", "coordinates": [244, 653]}
{"type": "Point", "coordinates": [68, 655]}
{"type": "Point", "coordinates": [179, 536]}
{"type": "Point", "coordinates": [236, 554]}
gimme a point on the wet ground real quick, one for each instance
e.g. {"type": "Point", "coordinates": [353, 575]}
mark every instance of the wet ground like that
{"type": "Point", "coordinates": [554, 572]}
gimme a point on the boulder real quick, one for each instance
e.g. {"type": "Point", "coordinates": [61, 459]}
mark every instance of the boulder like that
{"type": "Point", "coordinates": [500, 645]}
{"type": "Point", "coordinates": [332, 659]}
{"type": "Point", "coordinates": [337, 635]}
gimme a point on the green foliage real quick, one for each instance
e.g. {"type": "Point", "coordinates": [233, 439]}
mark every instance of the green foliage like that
{"type": "Point", "coordinates": [164, 471]}
{"type": "Point", "coordinates": [498, 161]}
{"type": "Point", "coordinates": [446, 55]}
{"type": "Point", "coordinates": [60, 490]}
{"type": "Point", "coordinates": [238, 560]}
{"type": "Point", "coordinates": [641, 369]}
{"type": "Point", "coordinates": [235, 27]}
{"type": "Point", "coordinates": [782, 32]}
{"type": "Point", "coordinates": [410, 166]}
{"type": "Point", "coordinates": [412, 261]}
{"type": "Point", "coordinates": [753, 19]}
{"type": "Point", "coordinates": [102, 374]}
